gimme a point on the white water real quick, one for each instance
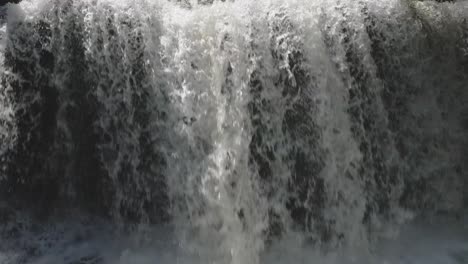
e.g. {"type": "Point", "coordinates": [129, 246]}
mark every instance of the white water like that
{"type": "Point", "coordinates": [443, 240]}
{"type": "Point", "coordinates": [216, 92]}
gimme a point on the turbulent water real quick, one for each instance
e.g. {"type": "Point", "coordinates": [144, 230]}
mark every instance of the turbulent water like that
{"type": "Point", "coordinates": [223, 132]}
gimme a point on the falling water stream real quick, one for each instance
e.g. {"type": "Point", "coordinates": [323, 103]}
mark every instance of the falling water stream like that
{"type": "Point", "coordinates": [238, 132]}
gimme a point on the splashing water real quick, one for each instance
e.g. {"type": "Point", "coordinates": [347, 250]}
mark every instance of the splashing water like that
{"type": "Point", "coordinates": [225, 132]}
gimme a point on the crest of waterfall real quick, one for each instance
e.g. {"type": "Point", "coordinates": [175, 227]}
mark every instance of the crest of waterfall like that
{"type": "Point", "coordinates": [240, 123]}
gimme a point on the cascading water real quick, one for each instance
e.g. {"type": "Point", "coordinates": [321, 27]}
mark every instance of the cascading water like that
{"type": "Point", "coordinates": [226, 131]}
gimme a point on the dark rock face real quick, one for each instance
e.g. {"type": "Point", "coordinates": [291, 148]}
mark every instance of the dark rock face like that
{"type": "Point", "coordinates": [35, 103]}
{"type": "Point", "coordinates": [75, 146]}
{"type": "Point", "coordinates": [62, 153]}
{"type": "Point", "coordinates": [416, 139]}
{"type": "Point", "coordinates": [297, 134]}
{"type": "Point", "coordinates": [4, 2]}
{"type": "Point", "coordinates": [370, 129]}
{"type": "Point", "coordinates": [139, 175]}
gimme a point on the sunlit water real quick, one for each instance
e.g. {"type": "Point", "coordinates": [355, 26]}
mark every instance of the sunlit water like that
{"type": "Point", "coordinates": [238, 132]}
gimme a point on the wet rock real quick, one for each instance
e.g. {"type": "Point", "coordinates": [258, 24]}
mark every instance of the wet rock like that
{"type": "Point", "coordinates": [4, 2]}
{"type": "Point", "coordinates": [34, 104]}
{"type": "Point", "coordinates": [61, 155]}
{"type": "Point", "coordinates": [293, 141]}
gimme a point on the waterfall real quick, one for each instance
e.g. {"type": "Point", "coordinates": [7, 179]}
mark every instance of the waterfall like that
{"type": "Point", "coordinates": [238, 124]}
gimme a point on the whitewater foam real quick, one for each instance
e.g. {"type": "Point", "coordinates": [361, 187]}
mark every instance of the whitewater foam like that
{"type": "Point", "coordinates": [246, 128]}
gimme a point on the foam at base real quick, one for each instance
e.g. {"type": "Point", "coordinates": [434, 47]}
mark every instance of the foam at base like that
{"type": "Point", "coordinates": [442, 240]}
